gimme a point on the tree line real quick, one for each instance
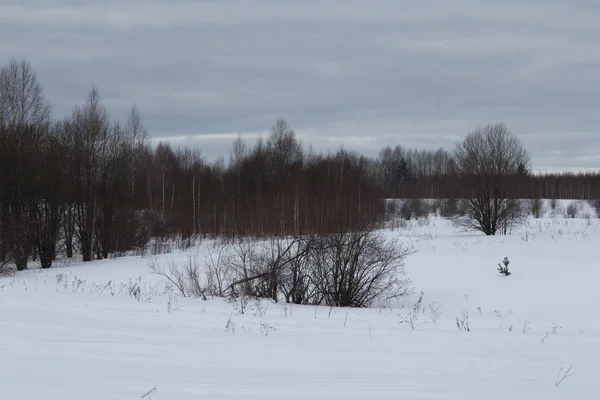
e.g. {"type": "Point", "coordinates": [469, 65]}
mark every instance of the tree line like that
{"type": "Point", "coordinates": [90, 186]}
{"type": "Point", "coordinates": [410, 173]}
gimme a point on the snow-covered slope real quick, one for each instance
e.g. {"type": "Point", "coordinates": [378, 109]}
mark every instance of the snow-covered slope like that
{"type": "Point", "coordinates": [79, 332]}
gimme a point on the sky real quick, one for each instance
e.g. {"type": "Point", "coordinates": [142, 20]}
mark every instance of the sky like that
{"type": "Point", "coordinates": [352, 73]}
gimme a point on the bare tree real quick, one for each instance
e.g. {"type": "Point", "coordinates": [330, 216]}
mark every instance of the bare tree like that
{"type": "Point", "coordinates": [89, 131]}
{"type": "Point", "coordinates": [48, 205]}
{"type": "Point", "coordinates": [137, 138]}
{"type": "Point", "coordinates": [20, 148]}
{"type": "Point", "coordinates": [21, 98]}
{"type": "Point", "coordinates": [486, 160]}
{"type": "Point", "coordinates": [283, 149]}
{"type": "Point", "coordinates": [24, 121]}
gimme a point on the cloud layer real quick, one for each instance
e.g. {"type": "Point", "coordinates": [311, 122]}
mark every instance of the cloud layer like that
{"type": "Point", "coordinates": [353, 73]}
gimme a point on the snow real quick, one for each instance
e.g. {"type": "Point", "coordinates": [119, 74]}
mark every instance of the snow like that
{"type": "Point", "coordinates": [65, 333]}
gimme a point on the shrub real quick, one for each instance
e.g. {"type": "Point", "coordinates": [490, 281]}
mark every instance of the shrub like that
{"type": "Point", "coordinates": [218, 273]}
{"type": "Point", "coordinates": [274, 268]}
{"type": "Point", "coordinates": [413, 208]}
{"type": "Point", "coordinates": [595, 204]}
{"type": "Point", "coordinates": [346, 269]}
{"type": "Point", "coordinates": [185, 279]}
{"type": "Point", "coordinates": [6, 268]}
{"type": "Point", "coordinates": [536, 206]}
{"type": "Point", "coordinates": [354, 269]}
{"type": "Point", "coordinates": [573, 209]}
{"type": "Point", "coordinates": [448, 207]}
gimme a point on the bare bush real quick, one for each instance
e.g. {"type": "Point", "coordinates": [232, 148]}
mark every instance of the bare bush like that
{"type": "Point", "coordinates": [461, 208]}
{"type": "Point", "coordinates": [134, 289]}
{"type": "Point", "coordinates": [413, 208]}
{"type": "Point", "coordinates": [411, 318]}
{"type": "Point", "coordinates": [573, 209]}
{"type": "Point", "coordinates": [186, 280]}
{"type": "Point", "coordinates": [391, 208]}
{"type": "Point", "coordinates": [447, 207]}
{"type": "Point", "coordinates": [172, 274]}
{"type": "Point", "coordinates": [218, 273]}
{"type": "Point", "coordinates": [242, 303]}
{"type": "Point", "coordinates": [435, 311]}
{"type": "Point", "coordinates": [595, 204]}
{"type": "Point", "coordinates": [6, 268]}
{"type": "Point", "coordinates": [160, 246]}
{"type": "Point", "coordinates": [351, 269]}
{"type": "Point", "coordinates": [296, 282]}
{"type": "Point", "coordinates": [517, 215]}
{"type": "Point", "coordinates": [242, 260]}
{"type": "Point", "coordinates": [195, 286]}
{"type": "Point", "coordinates": [536, 207]}
{"type": "Point", "coordinates": [271, 261]}
{"type": "Point", "coordinates": [462, 322]}
{"type": "Point", "coordinates": [274, 267]}
{"type": "Point", "coordinates": [356, 268]}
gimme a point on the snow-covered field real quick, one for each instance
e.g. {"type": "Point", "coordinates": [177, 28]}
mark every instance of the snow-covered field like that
{"type": "Point", "coordinates": [77, 331]}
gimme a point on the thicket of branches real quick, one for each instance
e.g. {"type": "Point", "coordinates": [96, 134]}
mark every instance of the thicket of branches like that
{"type": "Point", "coordinates": [91, 186]}
{"type": "Point", "coordinates": [350, 268]}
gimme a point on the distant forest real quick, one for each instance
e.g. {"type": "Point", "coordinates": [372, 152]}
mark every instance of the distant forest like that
{"type": "Point", "coordinates": [85, 184]}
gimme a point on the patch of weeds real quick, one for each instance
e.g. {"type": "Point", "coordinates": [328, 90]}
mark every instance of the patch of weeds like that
{"type": "Point", "coordinates": [411, 318]}
{"type": "Point", "coordinates": [462, 322]}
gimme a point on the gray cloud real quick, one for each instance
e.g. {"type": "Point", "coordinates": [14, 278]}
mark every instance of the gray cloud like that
{"type": "Point", "coordinates": [353, 73]}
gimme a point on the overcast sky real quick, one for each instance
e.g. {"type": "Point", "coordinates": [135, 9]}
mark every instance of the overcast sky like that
{"type": "Point", "coordinates": [357, 73]}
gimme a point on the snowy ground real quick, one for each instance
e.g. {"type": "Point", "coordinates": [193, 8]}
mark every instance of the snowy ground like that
{"type": "Point", "coordinates": [75, 332]}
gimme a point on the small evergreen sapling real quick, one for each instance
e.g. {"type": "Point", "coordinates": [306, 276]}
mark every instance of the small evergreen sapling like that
{"type": "Point", "coordinates": [504, 270]}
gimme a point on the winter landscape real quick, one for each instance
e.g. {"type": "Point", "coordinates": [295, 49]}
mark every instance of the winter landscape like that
{"type": "Point", "coordinates": [270, 200]}
{"type": "Point", "coordinates": [112, 329]}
